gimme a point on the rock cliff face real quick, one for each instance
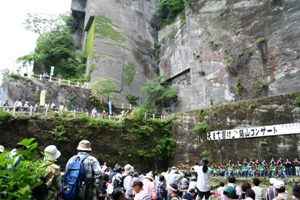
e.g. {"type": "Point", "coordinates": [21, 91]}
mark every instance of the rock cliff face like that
{"type": "Point", "coordinates": [226, 51]}
{"type": "Point", "coordinates": [223, 51]}
{"type": "Point", "coordinates": [121, 32]}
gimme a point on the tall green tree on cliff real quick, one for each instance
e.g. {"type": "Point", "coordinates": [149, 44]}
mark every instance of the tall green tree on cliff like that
{"type": "Point", "coordinates": [104, 87]}
{"type": "Point", "coordinates": [158, 93]}
{"type": "Point", "coordinates": [55, 46]}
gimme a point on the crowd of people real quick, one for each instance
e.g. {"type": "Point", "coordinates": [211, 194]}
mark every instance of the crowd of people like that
{"type": "Point", "coordinates": [254, 168]}
{"type": "Point", "coordinates": [125, 183]}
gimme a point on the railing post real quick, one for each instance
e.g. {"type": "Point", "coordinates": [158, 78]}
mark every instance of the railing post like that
{"type": "Point", "coordinates": [122, 105]}
{"type": "Point", "coordinates": [109, 117]}
{"type": "Point", "coordinates": [153, 116]}
{"type": "Point", "coordinates": [69, 82]}
{"type": "Point", "coordinates": [145, 115]}
{"type": "Point", "coordinates": [161, 117]}
{"type": "Point", "coordinates": [74, 113]}
{"type": "Point", "coordinates": [30, 111]}
{"type": "Point", "coordinates": [78, 84]}
{"type": "Point", "coordinates": [14, 110]}
{"type": "Point", "coordinates": [50, 78]}
{"type": "Point", "coordinates": [59, 80]}
{"type": "Point", "coordinates": [40, 76]}
{"type": "Point", "coordinates": [130, 106]}
{"type": "Point", "coordinates": [46, 110]}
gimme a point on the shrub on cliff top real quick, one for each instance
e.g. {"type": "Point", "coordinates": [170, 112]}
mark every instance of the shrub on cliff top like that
{"type": "Point", "coordinates": [5, 117]}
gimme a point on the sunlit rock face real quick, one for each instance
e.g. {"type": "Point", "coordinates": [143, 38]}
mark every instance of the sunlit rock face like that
{"type": "Point", "coordinates": [222, 51]}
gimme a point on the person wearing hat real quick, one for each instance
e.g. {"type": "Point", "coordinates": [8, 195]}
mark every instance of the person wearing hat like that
{"type": "Point", "coordinates": [148, 185]}
{"type": "Point", "coordinates": [140, 194]}
{"type": "Point", "coordinates": [271, 192]}
{"type": "Point", "coordinates": [92, 169]}
{"type": "Point", "coordinates": [1, 148]}
{"type": "Point", "coordinates": [280, 188]}
{"type": "Point", "coordinates": [172, 191]}
{"type": "Point", "coordinates": [117, 178]}
{"type": "Point", "coordinates": [203, 180]}
{"type": "Point", "coordinates": [230, 192]}
{"type": "Point", "coordinates": [231, 182]}
{"type": "Point", "coordinates": [173, 176]}
{"type": "Point", "coordinates": [190, 195]}
{"type": "Point", "coordinates": [127, 176]}
{"type": "Point", "coordinates": [52, 176]}
{"type": "Point", "coordinates": [257, 190]}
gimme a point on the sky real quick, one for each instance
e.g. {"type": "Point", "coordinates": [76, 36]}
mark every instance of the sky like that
{"type": "Point", "coordinates": [15, 41]}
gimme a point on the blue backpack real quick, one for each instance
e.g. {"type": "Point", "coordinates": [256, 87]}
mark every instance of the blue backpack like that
{"type": "Point", "coordinates": [74, 176]}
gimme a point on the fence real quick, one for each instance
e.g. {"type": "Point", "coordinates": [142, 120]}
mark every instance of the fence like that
{"type": "Point", "coordinates": [44, 111]}
{"type": "Point", "coordinates": [60, 81]}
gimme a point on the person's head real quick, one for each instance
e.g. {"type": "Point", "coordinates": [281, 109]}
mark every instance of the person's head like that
{"type": "Point", "coordinates": [1, 148]}
{"type": "Point", "coordinates": [245, 186]}
{"type": "Point", "coordinates": [221, 184]}
{"type": "Point", "coordinates": [204, 163]}
{"type": "Point", "coordinates": [279, 186]}
{"type": "Point", "coordinates": [106, 177]}
{"type": "Point", "coordinates": [192, 191]}
{"type": "Point", "coordinates": [296, 191]}
{"type": "Point", "coordinates": [272, 181]}
{"type": "Point", "coordinates": [128, 169]}
{"type": "Point", "coordinates": [84, 145]}
{"type": "Point", "coordinates": [51, 153]}
{"type": "Point", "coordinates": [149, 176]}
{"type": "Point", "coordinates": [250, 194]}
{"type": "Point", "coordinates": [118, 168]}
{"type": "Point", "coordinates": [118, 194]}
{"type": "Point", "coordinates": [162, 178]}
{"type": "Point", "coordinates": [256, 181]}
{"type": "Point", "coordinates": [230, 192]}
{"type": "Point", "coordinates": [172, 189]}
{"type": "Point", "coordinates": [231, 179]}
{"type": "Point", "coordinates": [137, 186]}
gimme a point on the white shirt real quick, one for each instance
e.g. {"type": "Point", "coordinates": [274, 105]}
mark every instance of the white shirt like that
{"type": "Point", "coordinates": [203, 181]}
{"type": "Point", "coordinates": [173, 178]}
{"type": "Point", "coordinates": [258, 192]}
{"type": "Point", "coordinates": [127, 186]}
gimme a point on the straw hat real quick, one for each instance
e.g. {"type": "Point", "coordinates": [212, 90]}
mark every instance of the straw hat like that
{"type": "Point", "coordinates": [84, 145]}
{"type": "Point", "coordinates": [51, 152]}
{"type": "Point", "coordinates": [150, 176]}
{"type": "Point", "coordinates": [1, 148]}
{"type": "Point", "coordinates": [128, 169]}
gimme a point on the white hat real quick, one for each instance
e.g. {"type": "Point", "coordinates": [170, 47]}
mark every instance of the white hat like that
{"type": "Point", "coordinates": [279, 184]}
{"type": "Point", "coordinates": [1, 148]}
{"type": "Point", "coordinates": [84, 145]}
{"type": "Point", "coordinates": [51, 152]}
{"type": "Point", "coordinates": [173, 169]}
{"type": "Point", "coordinates": [150, 176]}
{"type": "Point", "coordinates": [128, 169]}
{"type": "Point", "coordinates": [272, 180]}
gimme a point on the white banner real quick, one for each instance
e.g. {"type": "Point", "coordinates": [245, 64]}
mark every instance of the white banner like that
{"type": "Point", "coordinates": [261, 131]}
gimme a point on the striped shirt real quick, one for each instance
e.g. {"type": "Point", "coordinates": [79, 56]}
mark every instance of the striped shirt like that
{"type": "Point", "coordinates": [142, 196]}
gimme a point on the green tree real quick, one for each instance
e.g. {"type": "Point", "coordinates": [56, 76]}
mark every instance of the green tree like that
{"type": "Point", "coordinates": [157, 92]}
{"type": "Point", "coordinates": [129, 71]}
{"type": "Point", "coordinates": [132, 99]}
{"type": "Point", "coordinates": [168, 10]}
{"type": "Point", "coordinates": [55, 46]}
{"type": "Point", "coordinates": [17, 183]}
{"type": "Point", "coordinates": [104, 87]}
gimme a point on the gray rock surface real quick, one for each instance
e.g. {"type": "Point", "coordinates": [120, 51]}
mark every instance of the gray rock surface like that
{"type": "Point", "coordinates": [223, 51]}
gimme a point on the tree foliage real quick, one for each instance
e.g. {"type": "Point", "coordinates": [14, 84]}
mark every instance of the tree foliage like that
{"type": "Point", "coordinates": [157, 91]}
{"type": "Point", "coordinates": [54, 46]}
{"type": "Point", "coordinates": [129, 71]}
{"type": "Point", "coordinates": [168, 10]}
{"type": "Point", "coordinates": [104, 87]}
{"type": "Point", "coordinates": [18, 182]}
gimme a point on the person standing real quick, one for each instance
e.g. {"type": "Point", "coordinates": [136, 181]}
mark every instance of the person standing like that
{"type": "Point", "coordinates": [140, 194]}
{"type": "Point", "coordinates": [203, 180]}
{"type": "Point", "coordinates": [92, 169]}
{"type": "Point", "coordinates": [271, 192]}
{"type": "Point", "coordinates": [52, 176]}
{"type": "Point", "coordinates": [172, 191]}
{"type": "Point", "coordinates": [160, 188]}
{"type": "Point", "coordinates": [257, 190]}
{"type": "Point", "coordinates": [18, 105]}
{"type": "Point", "coordinates": [128, 181]}
{"type": "Point", "coordinates": [148, 185]}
